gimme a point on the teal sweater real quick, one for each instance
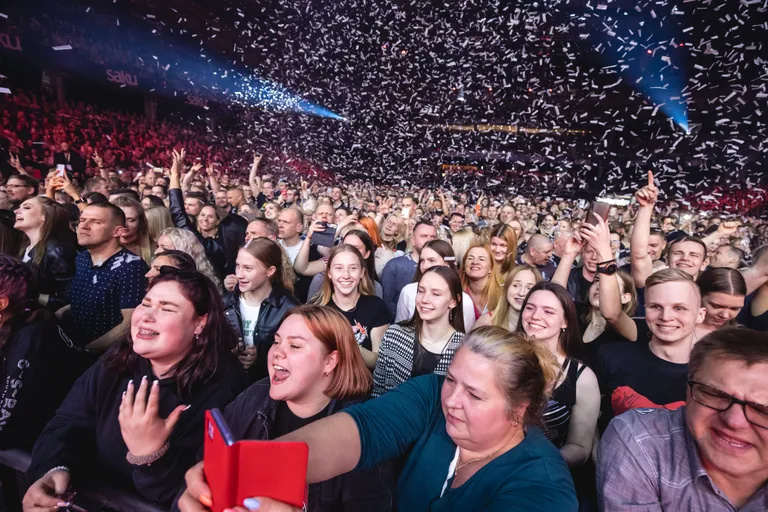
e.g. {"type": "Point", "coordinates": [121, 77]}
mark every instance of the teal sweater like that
{"type": "Point", "coordinates": [409, 420]}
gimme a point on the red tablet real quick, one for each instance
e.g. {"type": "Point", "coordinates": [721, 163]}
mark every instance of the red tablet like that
{"type": "Point", "coordinates": [236, 470]}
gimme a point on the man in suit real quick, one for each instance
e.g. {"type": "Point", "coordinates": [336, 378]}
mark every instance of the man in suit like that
{"type": "Point", "coordinates": [72, 161]}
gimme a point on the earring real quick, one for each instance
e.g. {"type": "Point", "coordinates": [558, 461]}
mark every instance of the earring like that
{"type": "Point", "coordinates": [197, 336]}
{"type": "Point", "coordinates": [562, 330]}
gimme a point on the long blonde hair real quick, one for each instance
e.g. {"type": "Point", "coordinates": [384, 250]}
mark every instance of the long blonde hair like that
{"type": "Point", "coordinates": [500, 317]}
{"type": "Point", "coordinates": [461, 241]}
{"type": "Point", "coordinates": [142, 232]}
{"type": "Point", "coordinates": [365, 287]}
{"type": "Point", "coordinates": [187, 242]}
{"type": "Point", "coordinates": [158, 218]}
{"type": "Point", "coordinates": [492, 291]}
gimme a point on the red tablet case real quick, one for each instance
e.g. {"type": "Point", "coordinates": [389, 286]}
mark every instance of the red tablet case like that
{"type": "Point", "coordinates": [236, 470]}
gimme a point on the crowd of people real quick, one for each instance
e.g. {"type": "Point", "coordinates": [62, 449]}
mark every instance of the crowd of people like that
{"type": "Point", "coordinates": [436, 348]}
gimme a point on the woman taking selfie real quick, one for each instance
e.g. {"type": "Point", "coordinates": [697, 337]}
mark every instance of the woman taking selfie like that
{"type": "Point", "coordinates": [50, 250]}
{"type": "Point", "coordinates": [348, 288]}
{"type": "Point", "coordinates": [258, 303]}
{"type": "Point", "coordinates": [135, 236]}
{"type": "Point", "coordinates": [504, 248]}
{"type": "Point", "coordinates": [480, 279]}
{"type": "Point", "coordinates": [570, 418]}
{"type": "Point", "coordinates": [427, 342]}
{"type": "Point", "coordinates": [315, 370]}
{"type": "Point", "coordinates": [135, 418]}
{"type": "Point", "coordinates": [507, 313]}
{"type": "Point", "coordinates": [468, 440]}
{"type": "Point", "coordinates": [38, 363]}
{"type": "Point", "coordinates": [434, 253]}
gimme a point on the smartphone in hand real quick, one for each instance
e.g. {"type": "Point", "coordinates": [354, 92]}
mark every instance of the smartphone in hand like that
{"type": "Point", "coordinates": [598, 208]}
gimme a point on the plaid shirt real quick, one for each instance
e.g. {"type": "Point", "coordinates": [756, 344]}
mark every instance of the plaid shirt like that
{"type": "Point", "coordinates": [649, 462]}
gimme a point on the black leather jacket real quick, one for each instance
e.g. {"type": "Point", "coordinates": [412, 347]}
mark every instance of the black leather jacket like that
{"type": "Point", "coordinates": [252, 416]}
{"type": "Point", "coordinates": [55, 271]}
{"type": "Point", "coordinates": [271, 314]}
{"type": "Point", "coordinates": [213, 248]}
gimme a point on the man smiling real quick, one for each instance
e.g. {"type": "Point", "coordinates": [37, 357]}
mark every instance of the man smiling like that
{"type": "Point", "coordinates": [711, 454]}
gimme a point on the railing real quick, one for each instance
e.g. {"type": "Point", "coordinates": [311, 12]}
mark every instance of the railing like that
{"type": "Point", "coordinates": [13, 462]}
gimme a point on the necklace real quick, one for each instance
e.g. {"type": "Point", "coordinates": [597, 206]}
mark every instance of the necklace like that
{"type": "Point", "coordinates": [480, 459]}
{"type": "Point", "coordinates": [443, 340]}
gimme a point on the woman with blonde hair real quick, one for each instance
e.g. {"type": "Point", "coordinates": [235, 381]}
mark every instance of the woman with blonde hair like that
{"type": "Point", "coordinates": [135, 236]}
{"type": "Point", "coordinates": [467, 441]}
{"type": "Point", "coordinates": [186, 241]}
{"type": "Point", "coordinates": [480, 279]}
{"type": "Point", "coordinates": [517, 285]}
{"type": "Point", "coordinates": [348, 288]}
{"type": "Point", "coordinates": [503, 242]}
{"type": "Point", "coordinates": [158, 219]}
{"type": "Point", "coordinates": [257, 305]}
{"type": "Point", "coordinates": [461, 241]}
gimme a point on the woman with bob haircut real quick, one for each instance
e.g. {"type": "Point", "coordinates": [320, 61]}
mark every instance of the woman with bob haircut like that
{"type": "Point", "coordinates": [315, 370]}
{"type": "Point", "coordinates": [135, 417]}
{"type": "Point", "coordinates": [259, 302]}
{"type": "Point", "coordinates": [723, 293]}
{"type": "Point", "coordinates": [348, 288]}
{"type": "Point", "coordinates": [503, 242]}
{"type": "Point", "coordinates": [468, 441]}
{"type": "Point", "coordinates": [426, 342]}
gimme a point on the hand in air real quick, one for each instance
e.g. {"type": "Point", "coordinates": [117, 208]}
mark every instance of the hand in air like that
{"type": "Point", "coordinates": [648, 195]}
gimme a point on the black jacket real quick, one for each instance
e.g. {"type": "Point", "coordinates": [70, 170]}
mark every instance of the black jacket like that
{"type": "Point", "coordinates": [271, 314]}
{"type": "Point", "coordinates": [39, 366]}
{"type": "Point", "coordinates": [252, 415]}
{"type": "Point", "coordinates": [85, 434]}
{"type": "Point", "coordinates": [55, 271]}
{"type": "Point", "coordinates": [212, 246]}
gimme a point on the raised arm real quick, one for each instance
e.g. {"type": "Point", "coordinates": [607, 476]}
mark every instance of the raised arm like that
{"type": "Point", "coordinates": [642, 264]}
{"type": "Point", "coordinates": [253, 177]}
{"type": "Point", "coordinates": [599, 237]}
{"type": "Point", "coordinates": [100, 164]}
{"type": "Point", "coordinates": [186, 181]}
{"type": "Point", "coordinates": [301, 264]}
{"type": "Point", "coordinates": [581, 430]}
{"type": "Point", "coordinates": [573, 248]}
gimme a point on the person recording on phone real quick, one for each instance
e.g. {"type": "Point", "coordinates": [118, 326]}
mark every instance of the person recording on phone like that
{"type": "Point", "coordinates": [135, 418]}
{"type": "Point", "coordinates": [315, 370]}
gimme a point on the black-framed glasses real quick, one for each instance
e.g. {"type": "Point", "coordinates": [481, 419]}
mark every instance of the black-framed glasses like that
{"type": "Point", "coordinates": [756, 414]}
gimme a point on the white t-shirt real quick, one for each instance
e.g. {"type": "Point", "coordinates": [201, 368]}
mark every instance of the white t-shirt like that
{"type": "Point", "coordinates": [27, 258]}
{"type": "Point", "coordinates": [250, 316]}
{"type": "Point", "coordinates": [292, 252]}
{"type": "Point", "coordinates": [406, 305]}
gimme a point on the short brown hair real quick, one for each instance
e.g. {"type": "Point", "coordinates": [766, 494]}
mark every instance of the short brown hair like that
{"type": "Point", "coordinates": [351, 377]}
{"type": "Point", "coordinates": [734, 343]}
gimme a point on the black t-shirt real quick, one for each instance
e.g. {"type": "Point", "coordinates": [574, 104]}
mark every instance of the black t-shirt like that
{"type": "Point", "coordinates": [747, 319]}
{"type": "Point", "coordinates": [424, 362]}
{"type": "Point", "coordinates": [370, 312]}
{"type": "Point", "coordinates": [261, 200]}
{"type": "Point", "coordinates": [287, 422]}
{"type": "Point", "coordinates": [633, 377]}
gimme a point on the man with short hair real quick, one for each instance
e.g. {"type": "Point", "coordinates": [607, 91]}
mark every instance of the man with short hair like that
{"type": "Point", "coordinates": [336, 198]}
{"type": "Point", "coordinates": [123, 192]}
{"type": "Point", "coordinates": [290, 224]}
{"type": "Point", "coordinates": [728, 256]}
{"type": "Point", "coordinates": [261, 228]}
{"type": "Point", "coordinates": [71, 160]}
{"type": "Point", "coordinates": [538, 254]}
{"type": "Point", "coordinates": [456, 222]}
{"type": "Point", "coordinates": [193, 203]}
{"type": "Point", "coordinates": [653, 373]}
{"type": "Point", "coordinates": [507, 213]}
{"type": "Point", "coordinates": [97, 184]}
{"type": "Point", "coordinates": [710, 455]}
{"type": "Point", "coordinates": [400, 271]}
{"type": "Point", "coordinates": [21, 187]}
{"type": "Point", "coordinates": [160, 191]}
{"type": "Point", "coordinates": [109, 280]}
{"type": "Point", "coordinates": [235, 198]}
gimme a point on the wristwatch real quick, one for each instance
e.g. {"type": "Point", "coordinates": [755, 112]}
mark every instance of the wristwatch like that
{"type": "Point", "coordinates": [607, 267]}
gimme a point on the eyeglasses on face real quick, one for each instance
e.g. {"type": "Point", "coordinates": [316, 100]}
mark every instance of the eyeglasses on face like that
{"type": "Point", "coordinates": [713, 398]}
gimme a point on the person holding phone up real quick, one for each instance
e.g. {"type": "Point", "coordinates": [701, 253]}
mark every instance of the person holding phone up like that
{"type": "Point", "coordinates": [135, 417]}
{"type": "Point", "coordinates": [468, 440]}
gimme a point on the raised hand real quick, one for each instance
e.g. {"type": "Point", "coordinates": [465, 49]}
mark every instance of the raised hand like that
{"type": "Point", "coordinates": [144, 431]}
{"type": "Point", "coordinates": [97, 159]}
{"type": "Point", "coordinates": [255, 165]}
{"type": "Point", "coordinates": [598, 236]}
{"type": "Point", "coordinates": [574, 245]}
{"type": "Point", "coordinates": [648, 195]}
{"type": "Point", "coordinates": [196, 167]}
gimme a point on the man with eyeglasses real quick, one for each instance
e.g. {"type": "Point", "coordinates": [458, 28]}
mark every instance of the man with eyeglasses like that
{"type": "Point", "coordinates": [710, 455]}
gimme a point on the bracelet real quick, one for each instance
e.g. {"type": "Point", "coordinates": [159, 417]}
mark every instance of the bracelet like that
{"type": "Point", "coordinates": [606, 262]}
{"type": "Point", "coordinates": [57, 468]}
{"type": "Point", "coordinates": [146, 460]}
